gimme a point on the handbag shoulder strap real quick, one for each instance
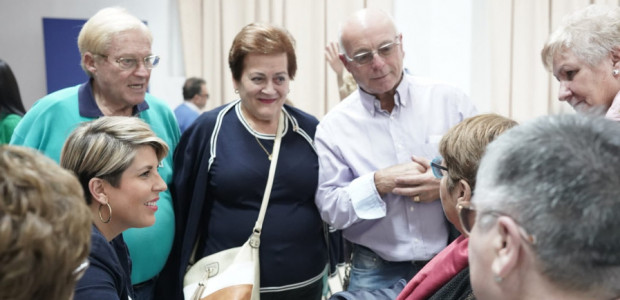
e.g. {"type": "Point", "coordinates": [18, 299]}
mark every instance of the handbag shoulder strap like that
{"type": "Point", "coordinates": [255, 238]}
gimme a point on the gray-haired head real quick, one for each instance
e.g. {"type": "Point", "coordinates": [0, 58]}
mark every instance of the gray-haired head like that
{"type": "Point", "coordinates": [97, 33]}
{"type": "Point", "coordinates": [366, 17]}
{"type": "Point", "coordinates": [558, 177]}
{"type": "Point", "coordinates": [590, 33]}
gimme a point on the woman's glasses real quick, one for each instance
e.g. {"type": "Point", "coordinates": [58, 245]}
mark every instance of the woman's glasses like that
{"type": "Point", "coordinates": [467, 217]}
{"type": "Point", "coordinates": [437, 167]}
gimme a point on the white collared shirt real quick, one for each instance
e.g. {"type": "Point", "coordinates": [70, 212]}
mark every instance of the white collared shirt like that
{"type": "Point", "coordinates": [357, 138]}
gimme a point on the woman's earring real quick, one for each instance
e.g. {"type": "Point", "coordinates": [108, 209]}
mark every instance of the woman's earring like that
{"type": "Point", "coordinates": [616, 72]}
{"type": "Point", "coordinates": [109, 212]}
{"type": "Point", "coordinates": [236, 91]}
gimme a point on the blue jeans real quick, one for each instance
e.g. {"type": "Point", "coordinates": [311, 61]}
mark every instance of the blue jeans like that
{"type": "Point", "coordinates": [370, 272]}
{"type": "Point", "coordinates": [145, 290]}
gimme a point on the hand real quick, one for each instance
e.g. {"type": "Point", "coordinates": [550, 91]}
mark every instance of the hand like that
{"type": "Point", "coordinates": [332, 55]}
{"type": "Point", "coordinates": [385, 179]}
{"type": "Point", "coordinates": [614, 110]}
{"type": "Point", "coordinates": [424, 185]}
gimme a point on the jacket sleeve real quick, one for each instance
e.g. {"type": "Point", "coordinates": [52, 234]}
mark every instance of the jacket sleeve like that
{"type": "Point", "coordinates": [191, 159]}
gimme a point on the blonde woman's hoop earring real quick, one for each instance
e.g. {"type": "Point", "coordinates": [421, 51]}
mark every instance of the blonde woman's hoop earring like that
{"type": "Point", "coordinates": [236, 91]}
{"type": "Point", "coordinates": [616, 72]}
{"type": "Point", "coordinates": [109, 210]}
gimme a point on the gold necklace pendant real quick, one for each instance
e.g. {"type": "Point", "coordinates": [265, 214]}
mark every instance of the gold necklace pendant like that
{"type": "Point", "coordinates": [263, 147]}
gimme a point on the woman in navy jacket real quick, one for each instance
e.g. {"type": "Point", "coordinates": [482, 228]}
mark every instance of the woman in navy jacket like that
{"type": "Point", "coordinates": [221, 167]}
{"type": "Point", "coordinates": [116, 161]}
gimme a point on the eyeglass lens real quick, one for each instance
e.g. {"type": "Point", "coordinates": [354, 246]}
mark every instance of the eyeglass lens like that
{"type": "Point", "coordinates": [467, 217]}
{"type": "Point", "coordinates": [437, 167]}
{"type": "Point", "coordinates": [366, 57]}
{"type": "Point", "coordinates": [150, 62]}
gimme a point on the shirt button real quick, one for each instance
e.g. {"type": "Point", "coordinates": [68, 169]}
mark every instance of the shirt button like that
{"type": "Point", "coordinates": [411, 208]}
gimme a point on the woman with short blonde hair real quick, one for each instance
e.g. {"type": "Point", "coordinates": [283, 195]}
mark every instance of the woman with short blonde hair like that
{"type": "Point", "coordinates": [116, 161]}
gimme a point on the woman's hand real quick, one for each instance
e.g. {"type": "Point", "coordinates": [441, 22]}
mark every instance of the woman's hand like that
{"type": "Point", "coordinates": [332, 55]}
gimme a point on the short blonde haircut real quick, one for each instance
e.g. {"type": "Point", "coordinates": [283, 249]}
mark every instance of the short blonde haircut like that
{"type": "Point", "coordinates": [105, 148]}
{"type": "Point", "coordinates": [45, 226]}
{"type": "Point", "coordinates": [590, 33]}
{"type": "Point", "coordinates": [463, 145]}
{"type": "Point", "coordinates": [98, 32]}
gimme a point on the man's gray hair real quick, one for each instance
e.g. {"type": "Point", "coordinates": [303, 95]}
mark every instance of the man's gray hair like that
{"type": "Point", "coordinates": [559, 177]}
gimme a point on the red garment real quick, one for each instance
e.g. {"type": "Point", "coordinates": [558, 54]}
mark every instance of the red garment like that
{"type": "Point", "coordinates": [445, 265]}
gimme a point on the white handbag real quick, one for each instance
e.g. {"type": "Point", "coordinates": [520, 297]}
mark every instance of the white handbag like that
{"type": "Point", "coordinates": [234, 273]}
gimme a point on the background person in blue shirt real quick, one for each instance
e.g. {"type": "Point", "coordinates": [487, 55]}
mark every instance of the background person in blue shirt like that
{"type": "Point", "coordinates": [196, 95]}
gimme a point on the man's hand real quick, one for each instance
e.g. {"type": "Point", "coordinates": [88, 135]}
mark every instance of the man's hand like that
{"type": "Point", "coordinates": [385, 179]}
{"type": "Point", "coordinates": [421, 187]}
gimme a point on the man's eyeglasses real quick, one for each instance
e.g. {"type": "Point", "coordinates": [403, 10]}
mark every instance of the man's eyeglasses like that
{"type": "Point", "coordinates": [124, 63]}
{"type": "Point", "coordinates": [437, 167]}
{"type": "Point", "coordinates": [365, 57]}
{"type": "Point", "coordinates": [467, 217]}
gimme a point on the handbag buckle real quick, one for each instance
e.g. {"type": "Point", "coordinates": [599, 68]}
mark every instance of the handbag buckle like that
{"type": "Point", "coordinates": [212, 269]}
{"type": "Point", "coordinates": [255, 239]}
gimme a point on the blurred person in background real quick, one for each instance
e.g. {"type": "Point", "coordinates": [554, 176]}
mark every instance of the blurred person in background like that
{"type": "Point", "coordinates": [44, 227]}
{"type": "Point", "coordinates": [346, 83]}
{"type": "Point", "coordinates": [11, 106]}
{"type": "Point", "coordinates": [195, 97]}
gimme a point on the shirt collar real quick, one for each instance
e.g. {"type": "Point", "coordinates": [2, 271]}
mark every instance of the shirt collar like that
{"type": "Point", "coordinates": [88, 106]}
{"type": "Point", "coordinates": [193, 106]}
{"type": "Point", "coordinates": [371, 103]}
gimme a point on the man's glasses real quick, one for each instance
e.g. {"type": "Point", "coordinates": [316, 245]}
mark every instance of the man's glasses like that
{"type": "Point", "coordinates": [467, 217]}
{"type": "Point", "coordinates": [365, 57]}
{"type": "Point", "coordinates": [437, 167]}
{"type": "Point", "coordinates": [124, 63]}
